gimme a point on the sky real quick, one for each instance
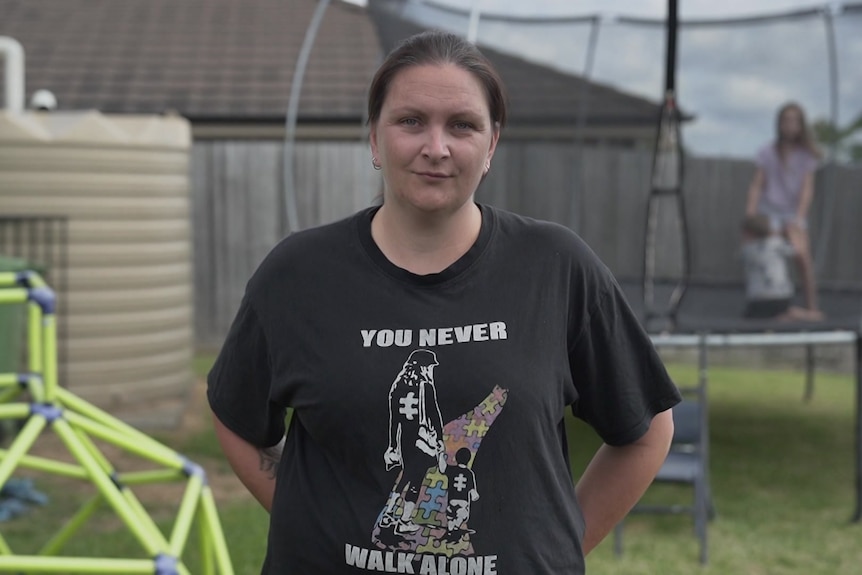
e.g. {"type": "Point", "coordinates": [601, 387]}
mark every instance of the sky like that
{"type": "Point", "coordinates": [731, 78]}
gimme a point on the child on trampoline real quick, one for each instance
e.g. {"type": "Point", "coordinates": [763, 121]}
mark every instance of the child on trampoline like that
{"type": "Point", "coordinates": [768, 287]}
{"type": "Point", "coordinates": [782, 189]}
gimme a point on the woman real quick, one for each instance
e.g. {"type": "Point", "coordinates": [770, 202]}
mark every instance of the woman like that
{"type": "Point", "coordinates": [782, 189]}
{"type": "Point", "coordinates": [430, 325]}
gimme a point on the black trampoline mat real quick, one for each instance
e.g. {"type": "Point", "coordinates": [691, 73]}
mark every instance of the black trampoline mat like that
{"type": "Point", "coordinates": [718, 309]}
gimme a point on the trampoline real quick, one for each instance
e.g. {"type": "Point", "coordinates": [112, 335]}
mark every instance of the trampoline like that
{"type": "Point", "coordinates": [710, 316]}
{"type": "Point", "coordinates": [677, 312]}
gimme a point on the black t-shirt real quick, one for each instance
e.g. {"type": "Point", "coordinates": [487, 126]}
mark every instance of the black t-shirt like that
{"type": "Point", "coordinates": [390, 374]}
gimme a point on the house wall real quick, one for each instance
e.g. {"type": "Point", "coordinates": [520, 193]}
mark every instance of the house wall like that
{"type": "Point", "coordinates": [239, 209]}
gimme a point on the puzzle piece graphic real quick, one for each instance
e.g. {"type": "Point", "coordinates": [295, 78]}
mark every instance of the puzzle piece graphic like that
{"type": "Point", "coordinates": [477, 428]}
{"type": "Point", "coordinates": [432, 500]}
{"type": "Point", "coordinates": [468, 430]}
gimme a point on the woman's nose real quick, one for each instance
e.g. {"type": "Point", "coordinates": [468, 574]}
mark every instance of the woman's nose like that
{"type": "Point", "coordinates": [436, 144]}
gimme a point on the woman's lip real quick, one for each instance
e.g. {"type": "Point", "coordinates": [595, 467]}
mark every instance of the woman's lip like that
{"type": "Point", "coordinates": [433, 174]}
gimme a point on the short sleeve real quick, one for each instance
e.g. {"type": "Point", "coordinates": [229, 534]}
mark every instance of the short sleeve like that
{"type": "Point", "coordinates": [238, 385]}
{"type": "Point", "coordinates": [763, 158]}
{"type": "Point", "coordinates": [621, 381]}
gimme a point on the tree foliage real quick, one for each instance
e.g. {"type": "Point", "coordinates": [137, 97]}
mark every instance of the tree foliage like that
{"type": "Point", "coordinates": [840, 139]}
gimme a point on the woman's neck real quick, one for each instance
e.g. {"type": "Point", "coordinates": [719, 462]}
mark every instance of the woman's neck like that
{"type": "Point", "coordinates": [424, 243]}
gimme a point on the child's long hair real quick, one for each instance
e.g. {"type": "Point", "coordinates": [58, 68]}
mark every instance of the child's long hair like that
{"type": "Point", "coordinates": [804, 139]}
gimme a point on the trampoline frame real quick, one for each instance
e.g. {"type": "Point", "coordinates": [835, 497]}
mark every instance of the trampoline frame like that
{"type": "Point", "coordinates": [706, 340]}
{"type": "Point", "coordinates": [75, 422]}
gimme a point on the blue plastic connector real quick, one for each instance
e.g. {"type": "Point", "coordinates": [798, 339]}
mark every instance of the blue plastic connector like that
{"type": "Point", "coordinates": [192, 469]}
{"type": "Point", "coordinates": [47, 410]}
{"type": "Point", "coordinates": [22, 278]}
{"type": "Point", "coordinates": [165, 565]}
{"type": "Point", "coordinates": [45, 297]}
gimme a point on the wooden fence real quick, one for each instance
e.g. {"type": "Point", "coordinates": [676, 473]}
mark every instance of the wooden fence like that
{"type": "Point", "coordinates": [239, 208]}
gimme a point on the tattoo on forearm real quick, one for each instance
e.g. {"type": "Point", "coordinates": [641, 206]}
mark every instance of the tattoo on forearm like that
{"type": "Point", "coordinates": [269, 461]}
{"type": "Point", "coordinates": [270, 458]}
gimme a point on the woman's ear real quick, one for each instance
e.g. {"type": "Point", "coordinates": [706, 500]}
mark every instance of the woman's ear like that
{"type": "Point", "coordinates": [495, 137]}
{"type": "Point", "coordinates": [372, 139]}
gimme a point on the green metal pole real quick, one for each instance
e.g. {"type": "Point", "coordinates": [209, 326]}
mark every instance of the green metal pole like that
{"type": "Point", "coordinates": [8, 279]}
{"type": "Point", "coordinates": [25, 439]}
{"type": "Point", "coordinates": [206, 547]}
{"type": "Point", "coordinates": [150, 449]}
{"type": "Point", "coordinates": [216, 533]}
{"type": "Point", "coordinates": [49, 351]}
{"type": "Point", "coordinates": [153, 476]}
{"type": "Point", "coordinates": [14, 411]}
{"type": "Point", "coordinates": [144, 517]}
{"type": "Point", "coordinates": [152, 545]}
{"type": "Point", "coordinates": [13, 296]}
{"type": "Point", "coordinates": [86, 565]}
{"type": "Point", "coordinates": [49, 466]}
{"type": "Point", "coordinates": [56, 543]}
{"type": "Point", "coordinates": [97, 415]}
{"type": "Point", "coordinates": [7, 379]}
{"type": "Point", "coordinates": [36, 387]}
{"type": "Point", "coordinates": [91, 448]}
{"type": "Point", "coordinates": [185, 516]}
{"type": "Point", "coordinates": [34, 338]}
{"type": "Point", "coordinates": [34, 280]}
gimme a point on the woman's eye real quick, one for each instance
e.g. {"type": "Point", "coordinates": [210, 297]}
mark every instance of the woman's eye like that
{"type": "Point", "coordinates": [463, 126]}
{"type": "Point", "coordinates": [410, 122]}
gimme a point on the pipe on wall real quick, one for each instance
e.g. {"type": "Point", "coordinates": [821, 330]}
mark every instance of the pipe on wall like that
{"type": "Point", "coordinates": [12, 51]}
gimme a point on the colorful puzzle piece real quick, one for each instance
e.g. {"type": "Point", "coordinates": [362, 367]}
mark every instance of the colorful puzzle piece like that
{"type": "Point", "coordinates": [468, 430]}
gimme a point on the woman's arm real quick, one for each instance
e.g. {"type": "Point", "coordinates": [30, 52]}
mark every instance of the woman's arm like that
{"type": "Point", "coordinates": [617, 477]}
{"type": "Point", "coordinates": [755, 188]}
{"type": "Point", "coordinates": [256, 467]}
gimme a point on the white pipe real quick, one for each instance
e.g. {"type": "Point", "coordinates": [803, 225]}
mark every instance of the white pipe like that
{"type": "Point", "coordinates": [13, 52]}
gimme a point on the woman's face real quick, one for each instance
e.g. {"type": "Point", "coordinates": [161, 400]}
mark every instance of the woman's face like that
{"type": "Point", "coordinates": [790, 124]}
{"type": "Point", "coordinates": [434, 138]}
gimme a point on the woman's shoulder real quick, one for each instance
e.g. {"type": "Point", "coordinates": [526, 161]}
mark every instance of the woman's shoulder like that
{"type": "Point", "coordinates": [767, 152]}
{"type": "Point", "coordinates": [534, 232]}
{"type": "Point", "coordinates": [533, 239]}
{"type": "Point", "coordinates": [323, 235]}
{"type": "Point", "coordinates": [310, 247]}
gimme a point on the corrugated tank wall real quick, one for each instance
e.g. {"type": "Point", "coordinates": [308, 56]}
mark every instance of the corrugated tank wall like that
{"type": "Point", "coordinates": [123, 184]}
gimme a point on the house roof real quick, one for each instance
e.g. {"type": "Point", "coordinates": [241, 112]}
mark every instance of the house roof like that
{"type": "Point", "coordinates": [224, 60]}
{"type": "Point", "coordinates": [216, 59]}
{"type": "Point", "coordinates": [536, 94]}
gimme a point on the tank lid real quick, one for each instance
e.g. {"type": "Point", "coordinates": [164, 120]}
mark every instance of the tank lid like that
{"type": "Point", "coordinates": [95, 129]}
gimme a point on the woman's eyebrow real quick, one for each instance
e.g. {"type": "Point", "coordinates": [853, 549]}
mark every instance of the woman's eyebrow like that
{"type": "Point", "coordinates": [458, 112]}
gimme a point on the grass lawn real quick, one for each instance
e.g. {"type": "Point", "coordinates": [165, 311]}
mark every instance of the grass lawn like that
{"type": "Point", "coordinates": [782, 480]}
{"type": "Point", "coordinates": [782, 476]}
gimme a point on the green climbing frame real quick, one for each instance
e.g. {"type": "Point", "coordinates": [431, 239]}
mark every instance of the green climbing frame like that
{"type": "Point", "coordinates": [35, 395]}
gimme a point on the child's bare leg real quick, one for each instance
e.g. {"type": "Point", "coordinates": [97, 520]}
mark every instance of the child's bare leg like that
{"type": "Point", "coordinates": [798, 238]}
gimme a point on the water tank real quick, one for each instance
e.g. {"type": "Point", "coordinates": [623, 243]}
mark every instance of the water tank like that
{"type": "Point", "coordinates": [122, 182]}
